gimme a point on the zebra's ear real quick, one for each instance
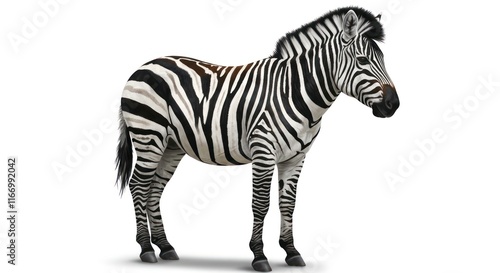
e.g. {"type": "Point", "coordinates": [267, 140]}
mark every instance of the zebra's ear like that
{"type": "Point", "coordinates": [350, 25]}
{"type": "Point", "coordinates": [378, 17]}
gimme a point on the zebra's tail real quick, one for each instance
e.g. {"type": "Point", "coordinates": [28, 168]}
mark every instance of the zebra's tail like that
{"type": "Point", "coordinates": [124, 157]}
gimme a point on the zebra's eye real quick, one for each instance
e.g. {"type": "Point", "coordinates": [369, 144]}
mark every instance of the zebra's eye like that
{"type": "Point", "coordinates": [363, 60]}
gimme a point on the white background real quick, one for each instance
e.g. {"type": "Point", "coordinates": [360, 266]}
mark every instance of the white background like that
{"type": "Point", "coordinates": [62, 84]}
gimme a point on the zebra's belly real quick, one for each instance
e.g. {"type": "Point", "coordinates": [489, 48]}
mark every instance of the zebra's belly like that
{"type": "Point", "coordinates": [228, 149]}
{"type": "Point", "coordinates": [216, 149]}
{"type": "Point", "coordinates": [223, 158]}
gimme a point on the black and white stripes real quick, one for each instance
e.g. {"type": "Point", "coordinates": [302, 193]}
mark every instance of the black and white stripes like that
{"type": "Point", "coordinates": [267, 113]}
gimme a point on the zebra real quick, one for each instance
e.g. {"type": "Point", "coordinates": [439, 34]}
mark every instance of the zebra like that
{"type": "Point", "coordinates": [267, 113]}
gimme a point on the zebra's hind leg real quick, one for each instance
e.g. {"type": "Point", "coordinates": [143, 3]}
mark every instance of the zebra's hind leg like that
{"type": "Point", "coordinates": [288, 175]}
{"type": "Point", "coordinates": [166, 168]}
{"type": "Point", "coordinates": [140, 185]}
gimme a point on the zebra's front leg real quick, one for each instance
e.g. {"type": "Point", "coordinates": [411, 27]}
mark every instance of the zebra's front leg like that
{"type": "Point", "coordinates": [262, 173]}
{"type": "Point", "coordinates": [166, 168]}
{"type": "Point", "coordinates": [288, 176]}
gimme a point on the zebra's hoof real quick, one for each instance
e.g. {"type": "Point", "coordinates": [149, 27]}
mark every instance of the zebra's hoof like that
{"type": "Point", "coordinates": [295, 261]}
{"type": "Point", "coordinates": [148, 257]}
{"type": "Point", "coordinates": [169, 255]}
{"type": "Point", "coordinates": [261, 266]}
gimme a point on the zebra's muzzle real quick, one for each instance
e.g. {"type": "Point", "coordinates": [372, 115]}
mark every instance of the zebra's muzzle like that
{"type": "Point", "coordinates": [389, 104]}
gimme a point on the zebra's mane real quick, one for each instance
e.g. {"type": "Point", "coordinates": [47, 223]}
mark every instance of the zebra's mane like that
{"type": "Point", "coordinates": [325, 27]}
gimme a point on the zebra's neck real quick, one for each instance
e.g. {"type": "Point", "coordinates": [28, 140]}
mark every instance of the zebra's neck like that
{"type": "Point", "coordinates": [313, 89]}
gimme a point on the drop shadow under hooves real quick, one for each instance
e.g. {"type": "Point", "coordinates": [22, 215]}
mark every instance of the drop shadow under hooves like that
{"type": "Point", "coordinates": [214, 264]}
{"type": "Point", "coordinates": [210, 263]}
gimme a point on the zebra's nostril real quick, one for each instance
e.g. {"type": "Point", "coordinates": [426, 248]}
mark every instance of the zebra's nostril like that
{"type": "Point", "coordinates": [391, 100]}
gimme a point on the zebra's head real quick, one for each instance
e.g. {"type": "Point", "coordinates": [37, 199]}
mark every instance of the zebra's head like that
{"type": "Point", "coordinates": [361, 66]}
